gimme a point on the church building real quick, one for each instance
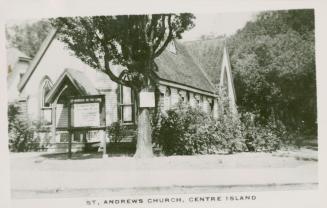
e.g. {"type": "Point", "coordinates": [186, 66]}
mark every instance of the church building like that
{"type": "Point", "coordinates": [55, 75]}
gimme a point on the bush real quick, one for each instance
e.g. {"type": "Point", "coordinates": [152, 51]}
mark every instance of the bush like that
{"type": "Point", "coordinates": [259, 137]}
{"type": "Point", "coordinates": [188, 131]}
{"type": "Point", "coordinates": [176, 126]}
{"type": "Point", "coordinates": [117, 132]}
{"type": "Point", "coordinates": [21, 132]}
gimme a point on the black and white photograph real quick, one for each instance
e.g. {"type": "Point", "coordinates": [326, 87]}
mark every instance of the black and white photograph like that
{"type": "Point", "coordinates": [160, 104]}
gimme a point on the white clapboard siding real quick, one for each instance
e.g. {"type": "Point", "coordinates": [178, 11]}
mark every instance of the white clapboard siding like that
{"type": "Point", "coordinates": [61, 116]}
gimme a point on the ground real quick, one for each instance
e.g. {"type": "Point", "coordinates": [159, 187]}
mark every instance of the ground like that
{"type": "Point", "coordinates": [53, 175]}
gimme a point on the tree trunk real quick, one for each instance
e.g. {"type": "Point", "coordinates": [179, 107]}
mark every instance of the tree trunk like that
{"type": "Point", "coordinates": [144, 139]}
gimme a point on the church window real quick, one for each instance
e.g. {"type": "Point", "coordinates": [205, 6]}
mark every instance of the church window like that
{"type": "Point", "coordinates": [46, 110]}
{"type": "Point", "coordinates": [126, 105]}
{"type": "Point", "coordinates": [167, 101]}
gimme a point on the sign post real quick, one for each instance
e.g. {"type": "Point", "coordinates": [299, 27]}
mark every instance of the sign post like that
{"type": "Point", "coordinates": [88, 113]}
{"type": "Point", "coordinates": [69, 132]}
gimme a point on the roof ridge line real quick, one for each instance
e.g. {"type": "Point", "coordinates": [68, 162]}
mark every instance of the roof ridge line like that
{"type": "Point", "coordinates": [215, 38]}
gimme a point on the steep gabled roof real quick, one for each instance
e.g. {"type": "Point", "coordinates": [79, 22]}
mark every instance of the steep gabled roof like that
{"type": "Point", "coordinates": [209, 54]}
{"type": "Point", "coordinates": [180, 68]}
{"type": "Point", "coordinates": [79, 81]}
{"type": "Point", "coordinates": [36, 60]}
{"type": "Point", "coordinates": [176, 67]}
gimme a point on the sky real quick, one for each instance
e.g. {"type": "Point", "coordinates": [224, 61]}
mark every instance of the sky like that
{"type": "Point", "coordinates": [217, 24]}
{"type": "Point", "coordinates": [205, 24]}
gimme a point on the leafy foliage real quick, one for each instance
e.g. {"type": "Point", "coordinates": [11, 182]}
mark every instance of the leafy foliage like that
{"type": "Point", "coordinates": [117, 131]}
{"type": "Point", "coordinates": [186, 130]}
{"type": "Point", "coordinates": [21, 132]}
{"type": "Point", "coordinates": [273, 60]}
{"type": "Point", "coordinates": [132, 41]}
{"type": "Point", "coordinates": [260, 137]}
{"type": "Point", "coordinates": [176, 128]}
{"type": "Point", "coordinates": [27, 37]}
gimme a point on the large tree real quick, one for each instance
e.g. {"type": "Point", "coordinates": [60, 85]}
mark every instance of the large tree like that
{"type": "Point", "coordinates": [132, 41]}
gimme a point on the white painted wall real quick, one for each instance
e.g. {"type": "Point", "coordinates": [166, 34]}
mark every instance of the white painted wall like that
{"type": "Point", "coordinates": [56, 59]}
{"type": "Point", "coordinates": [19, 68]}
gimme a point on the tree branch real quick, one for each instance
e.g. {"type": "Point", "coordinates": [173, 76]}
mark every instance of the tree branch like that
{"type": "Point", "coordinates": [108, 71]}
{"type": "Point", "coordinates": [169, 38]}
{"type": "Point", "coordinates": [161, 35]}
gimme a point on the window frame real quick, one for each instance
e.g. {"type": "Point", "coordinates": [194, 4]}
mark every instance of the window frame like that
{"type": "Point", "coordinates": [46, 85]}
{"type": "Point", "coordinates": [121, 106]}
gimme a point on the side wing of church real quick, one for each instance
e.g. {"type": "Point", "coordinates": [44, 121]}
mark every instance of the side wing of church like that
{"type": "Point", "coordinates": [55, 75]}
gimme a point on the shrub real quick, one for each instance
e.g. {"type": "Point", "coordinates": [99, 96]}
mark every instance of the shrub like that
{"type": "Point", "coordinates": [117, 131]}
{"type": "Point", "coordinates": [175, 130]}
{"type": "Point", "coordinates": [259, 137]}
{"type": "Point", "coordinates": [21, 132]}
{"type": "Point", "coordinates": [188, 131]}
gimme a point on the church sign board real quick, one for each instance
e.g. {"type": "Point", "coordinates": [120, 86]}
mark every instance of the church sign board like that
{"type": "Point", "coordinates": [87, 112]}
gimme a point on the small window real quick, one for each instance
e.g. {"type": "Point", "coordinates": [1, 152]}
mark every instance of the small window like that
{"type": "Point", "coordinates": [64, 137]}
{"type": "Point", "coordinates": [211, 103]}
{"type": "Point", "coordinates": [162, 101]}
{"type": "Point", "coordinates": [78, 136]}
{"type": "Point", "coordinates": [188, 96]}
{"type": "Point", "coordinates": [167, 102]}
{"type": "Point", "coordinates": [92, 136]}
{"type": "Point", "coordinates": [197, 98]}
{"type": "Point", "coordinates": [182, 95]}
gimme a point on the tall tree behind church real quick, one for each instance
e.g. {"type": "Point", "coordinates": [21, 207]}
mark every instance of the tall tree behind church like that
{"type": "Point", "coordinates": [273, 59]}
{"type": "Point", "coordinates": [28, 36]}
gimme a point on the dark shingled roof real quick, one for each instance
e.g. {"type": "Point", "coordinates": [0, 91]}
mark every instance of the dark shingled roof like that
{"type": "Point", "coordinates": [181, 68]}
{"type": "Point", "coordinates": [208, 53]}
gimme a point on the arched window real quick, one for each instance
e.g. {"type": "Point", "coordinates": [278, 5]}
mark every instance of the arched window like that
{"type": "Point", "coordinates": [167, 102]}
{"type": "Point", "coordinates": [211, 104]}
{"type": "Point", "coordinates": [46, 87]}
{"type": "Point", "coordinates": [181, 95]}
{"type": "Point", "coordinates": [197, 99]}
{"type": "Point", "coordinates": [188, 96]}
{"type": "Point", "coordinates": [46, 110]}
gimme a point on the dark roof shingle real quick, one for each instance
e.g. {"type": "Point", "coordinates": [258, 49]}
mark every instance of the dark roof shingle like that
{"type": "Point", "coordinates": [181, 68]}
{"type": "Point", "coordinates": [209, 54]}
